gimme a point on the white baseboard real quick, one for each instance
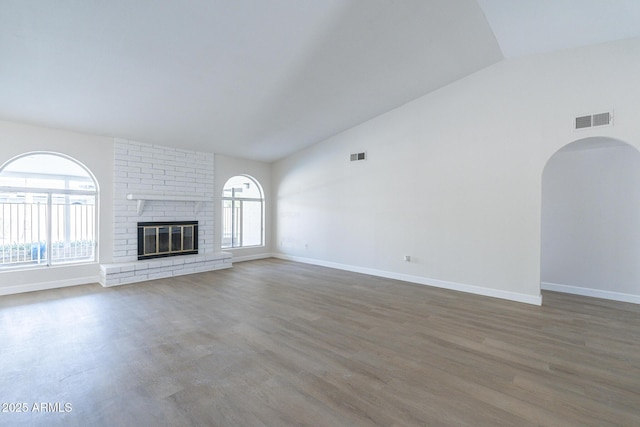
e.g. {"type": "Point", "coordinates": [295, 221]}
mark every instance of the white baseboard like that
{"type": "Point", "coordinates": [588, 292]}
{"type": "Point", "coordinates": [31, 287]}
{"type": "Point", "coordinates": [478, 290]}
{"type": "Point", "coordinates": [251, 257]}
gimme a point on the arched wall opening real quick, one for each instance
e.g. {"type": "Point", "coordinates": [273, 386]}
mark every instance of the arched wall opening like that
{"type": "Point", "coordinates": [590, 225]}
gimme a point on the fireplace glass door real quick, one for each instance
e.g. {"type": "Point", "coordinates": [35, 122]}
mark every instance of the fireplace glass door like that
{"type": "Point", "coordinates": [160, 239]}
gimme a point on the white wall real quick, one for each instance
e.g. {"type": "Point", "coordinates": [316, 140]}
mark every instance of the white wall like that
{"type": "Point", "coordinates": [591, 220]}
{"type": "Point", "coordinates": [453, 179]}
{"type": "Point", "coordinates": [96, 153]}
{"type": "Point", "coordinates": [227, 167]}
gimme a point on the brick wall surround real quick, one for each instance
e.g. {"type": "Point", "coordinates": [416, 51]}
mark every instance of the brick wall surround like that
{"type": "Point", "coordinates": [153, 169]}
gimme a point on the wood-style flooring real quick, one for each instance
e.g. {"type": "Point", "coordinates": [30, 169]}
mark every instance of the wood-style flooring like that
{"type": "Point", "coordinates": [276, 343]}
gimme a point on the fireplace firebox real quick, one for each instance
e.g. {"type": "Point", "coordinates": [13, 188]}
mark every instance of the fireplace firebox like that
{"type": "Point", "coordinates": [164, 239]}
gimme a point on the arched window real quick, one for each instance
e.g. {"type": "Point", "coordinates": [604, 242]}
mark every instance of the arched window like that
{"type": "Point", "coordinates": [242, 213]}
{"type": "Point", "coordinates": [47, 211]}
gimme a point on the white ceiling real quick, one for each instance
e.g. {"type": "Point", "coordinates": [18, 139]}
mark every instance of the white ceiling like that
{"type": "Point", "coordinates": [261, 79]}
{"type": "Point", "coordinates": [525, 27]}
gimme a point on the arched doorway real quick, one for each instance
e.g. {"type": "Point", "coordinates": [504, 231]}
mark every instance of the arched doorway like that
{"type": "Point", "coordinates": [590, 230]}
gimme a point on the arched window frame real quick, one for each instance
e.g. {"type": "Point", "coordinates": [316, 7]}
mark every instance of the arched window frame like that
{"type": "Point", "coordinates": [233, 209]}
{"type": "Point", "coordinates": [83, 251]}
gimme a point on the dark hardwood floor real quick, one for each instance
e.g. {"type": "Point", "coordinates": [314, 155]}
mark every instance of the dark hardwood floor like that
{"type": "Point", "coordinates": [278, 343]}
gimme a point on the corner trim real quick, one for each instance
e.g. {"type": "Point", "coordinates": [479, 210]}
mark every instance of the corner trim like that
{"type": "Point", "coordinates": [588, 292]}
{"type": "Point", "coordinates": [462, 287]}
{"type": "Point", "coordinates": [32, 287]}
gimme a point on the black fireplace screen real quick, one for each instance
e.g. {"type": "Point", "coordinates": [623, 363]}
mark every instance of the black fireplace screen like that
{"type": "Point", "coordinates": [163, 239]}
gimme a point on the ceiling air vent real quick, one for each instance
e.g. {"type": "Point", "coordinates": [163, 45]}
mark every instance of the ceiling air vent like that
{"type": "Point", "coordinates": [593, 120]}
{"type": "Point", "coordinates": [357, 156]}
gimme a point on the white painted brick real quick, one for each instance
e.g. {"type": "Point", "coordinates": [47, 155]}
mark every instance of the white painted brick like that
{"type": "Point", "coordinates": [110, 270]}
{"type": "Point", "coordinates": [159, 275]}
{"type": "Point", "coordinates": [175, 173]}
{"type": "Point", "coordinates": [141, 266]}
{"type": "Point", "coordinates": [153, 150]}
{"type": "Point", "coordinates": [137, 165]}
{"type": "Point", "coordinates": [111, 281]}
{"type": "Point", "coordinates": [121, 249]}
{"type": "Point", "coordinates": [163, 157]}
{"type": "Point", "coordinates": [125, 268]}
{"type": "Point", "coordinates": [163, 187]}
{"type": "Point", "coordinates": [127, 156]}
{"type": "Point", "coordinates": [188, 270]}
{"type": "Point", "coordinates": [141, 144]}
{"type": "Point", "coordinates": [138, 175]}
{"type": "Point", "coordinates": [166, 262]}
{"type": "Point", "coordinates": [130, 169]}
{"type": "Point", "coordinates": [144, 186]}
{"type": "Point", "coordinates": [135, 279]}
{"type": "Point", "coordinates": [162, 168]}
{"type": "Point", "coordinates": [124, 275]}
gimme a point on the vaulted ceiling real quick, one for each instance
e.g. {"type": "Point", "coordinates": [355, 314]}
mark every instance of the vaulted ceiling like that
{"type": "Point", "coordinates": [262, 79]}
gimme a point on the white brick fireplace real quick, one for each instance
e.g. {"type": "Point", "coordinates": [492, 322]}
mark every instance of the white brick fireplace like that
{"type": "Point", "coordinates": [156, 183]}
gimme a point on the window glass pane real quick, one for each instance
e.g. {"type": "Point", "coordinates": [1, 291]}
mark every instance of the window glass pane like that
{"type": "Point", "coordinates": [46, 171]}
{"type": "Point", "coordinates": [72, 228]}
{"type": "Point", "coordinates": [252, 223]}
{"type": "Point", "coordinates": [243, 187]}
{"type": "Point", "coordinates": [236, 231]}
{"type": "Point", "coordinates": [227, 221]}
{"type": "Point", "coordinates": [23, 229]}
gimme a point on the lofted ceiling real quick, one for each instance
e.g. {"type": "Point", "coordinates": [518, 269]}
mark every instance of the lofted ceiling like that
{"type": "Point", "coordinates": [261, 79]}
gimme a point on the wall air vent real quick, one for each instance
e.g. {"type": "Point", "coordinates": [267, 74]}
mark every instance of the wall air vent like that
{"type": "Point", "coordinates": [583, 122]}
{"type": "Point", "coordinates": [601, 119]}
{"type": "Point", "coordinates": [357, 156]}
{"type": "Point", "coordinates": [593, 120]}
